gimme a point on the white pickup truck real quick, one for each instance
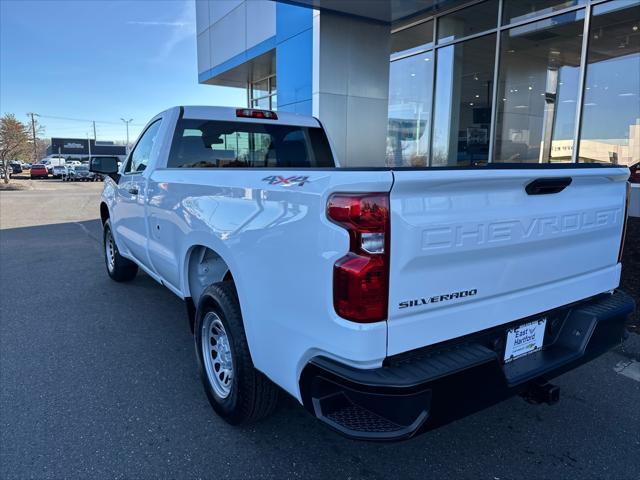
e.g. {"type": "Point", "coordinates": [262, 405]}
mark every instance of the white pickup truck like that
{"type": "Point", "coordinates": [386, 300]}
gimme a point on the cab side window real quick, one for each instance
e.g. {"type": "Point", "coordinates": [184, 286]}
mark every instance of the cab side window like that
{"type": "Point", "coordinates": [139, 158]}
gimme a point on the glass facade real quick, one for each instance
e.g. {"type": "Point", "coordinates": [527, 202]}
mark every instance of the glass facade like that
{"type": "Point", "coordinates": [411, 81]}
{"type": "Point", "coordinates": [538, 90]}
{"type": "Point", "coordinates": [462, 115]}
{"type": "Point", "coordinates": [412, 40]}
{"type": "Point", "coordinates": [262, 94]}
{"type": "Point", "coordinates": [611, 109]}
{"type": "Point", "coordinates": [517, 81]}
{"type": "Point", "coordinates": [514, 11]}
{"type": "Point", "coordinates": [468, 21]}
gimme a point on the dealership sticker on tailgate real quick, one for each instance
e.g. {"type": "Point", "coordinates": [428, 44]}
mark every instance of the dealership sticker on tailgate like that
{"type": "Point", "coordinates": [524, 339]}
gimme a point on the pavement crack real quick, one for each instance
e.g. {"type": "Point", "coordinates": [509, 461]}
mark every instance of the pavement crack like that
{"type": "Point", "coordinates": [629, 369]}
{"type": "Point", "coordinates": [89, 234]}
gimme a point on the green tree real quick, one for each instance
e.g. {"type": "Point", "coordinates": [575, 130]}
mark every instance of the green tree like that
{"type": "Point", "coordinates": [14, 140]}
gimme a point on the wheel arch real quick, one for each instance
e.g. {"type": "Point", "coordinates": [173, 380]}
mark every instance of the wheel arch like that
{"type": "Point", "coordinates": [203, 265]}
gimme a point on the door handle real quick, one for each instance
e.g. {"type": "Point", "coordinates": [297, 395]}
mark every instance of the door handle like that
{"type": "Point", "coordinates": [133, 190]}
{"type": "Point", "coordinates": [545, 186]}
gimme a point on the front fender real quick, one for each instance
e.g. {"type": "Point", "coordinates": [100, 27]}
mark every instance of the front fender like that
{"type": "Point", "coordinates": [108, 197]}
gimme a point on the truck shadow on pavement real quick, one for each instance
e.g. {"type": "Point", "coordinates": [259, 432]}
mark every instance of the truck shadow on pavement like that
{"type": "Point", "coordinates": [100, 379]}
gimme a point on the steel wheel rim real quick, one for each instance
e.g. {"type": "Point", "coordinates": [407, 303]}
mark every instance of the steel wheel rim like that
{"type": "Point", "coordinates": [216, 353]}
{"type": "Point", "coordinates": [110, 251]}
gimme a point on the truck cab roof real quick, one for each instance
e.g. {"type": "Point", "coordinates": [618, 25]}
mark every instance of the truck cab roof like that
{"type": "Point", "coordinates": [230, 114]}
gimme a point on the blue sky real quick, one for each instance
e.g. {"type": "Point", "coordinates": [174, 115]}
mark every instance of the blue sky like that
{"type": "Point", "coordinates": [100, 60]}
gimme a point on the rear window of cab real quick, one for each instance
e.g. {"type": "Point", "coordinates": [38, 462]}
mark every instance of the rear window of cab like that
{"type": "Point", "coordinates": [220, 144]}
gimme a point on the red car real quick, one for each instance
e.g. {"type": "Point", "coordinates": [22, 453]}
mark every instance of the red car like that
{"type": "Point", "coordinates": [635, 173]}
{"type": "Point", "coordinates": [39, 171]}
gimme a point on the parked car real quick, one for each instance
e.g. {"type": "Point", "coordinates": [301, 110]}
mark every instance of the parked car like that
{"type": "Point", "coordinates": [81, 174]}
{"type": "Point", "coordinates": [68, 171]}
{"type": "Point", "coordinates": [634, 177]}
{"type": "Point", "coordinates": [59, 171]}
{"type": "Point", "coordinates": [384, 300]}
{"type": "Point", "coordinates": [53, 161]}
{"type": "Point", "coordinates": [16, 167]}
{"type": "Point", "coordinates": [26, 166]}
{"type": "Point", "coordinates": [39, 171]}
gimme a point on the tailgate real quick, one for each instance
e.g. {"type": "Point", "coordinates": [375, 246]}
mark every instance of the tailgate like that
{"type": "Point", "coordinates": [471, 249]}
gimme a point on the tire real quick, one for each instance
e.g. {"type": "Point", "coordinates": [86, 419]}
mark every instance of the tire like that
{"type": "Point", "coordinates": [119, 268]}
{"type": "Point", "coordinates": [251, 396]}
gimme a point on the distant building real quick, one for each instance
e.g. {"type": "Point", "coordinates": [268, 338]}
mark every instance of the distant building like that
{"type": "Point", "coordinates": [78, 148]}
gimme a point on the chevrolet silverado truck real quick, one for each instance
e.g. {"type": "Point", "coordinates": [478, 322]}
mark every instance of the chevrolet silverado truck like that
{"type": "Point", "coordinates": [387, 301]}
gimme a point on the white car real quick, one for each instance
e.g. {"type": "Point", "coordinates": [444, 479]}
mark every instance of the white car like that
{"type": "Point", "coordinates": [385, 300]}
{"type": "Point", "coordinates": [59, 171]}
{"type": "Point", "coordinates": [53, 161]}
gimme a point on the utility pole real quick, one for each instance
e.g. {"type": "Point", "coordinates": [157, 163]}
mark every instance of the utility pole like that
{"type": "Point", "coordinates": [126, 122]}
{"type": "Point", "coordinates": [94, 132]}
{"type": "Point", "coordinates": [33, 132]}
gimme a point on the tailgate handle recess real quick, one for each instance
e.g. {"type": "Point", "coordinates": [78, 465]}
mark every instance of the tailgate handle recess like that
{"type": "Point", "coordinates": [545, 186]}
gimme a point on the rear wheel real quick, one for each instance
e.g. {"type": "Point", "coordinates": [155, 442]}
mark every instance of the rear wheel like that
{"type": "Point", "coordinates": [236, 390]}
{"type": "Point", "coordinates": [119, 268]}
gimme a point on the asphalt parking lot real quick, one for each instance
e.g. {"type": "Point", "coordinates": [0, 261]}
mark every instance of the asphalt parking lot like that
{"type": "Point", "coordinates": [99, 380]}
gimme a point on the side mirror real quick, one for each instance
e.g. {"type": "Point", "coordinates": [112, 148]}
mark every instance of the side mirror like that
{"type": "Point", "coordinates": [106, 166]}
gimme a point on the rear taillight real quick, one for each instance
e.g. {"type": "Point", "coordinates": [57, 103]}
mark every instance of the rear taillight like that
{"type": "Point", "coordinates": [624, 222]}
{"type": "Point", "coordinates": [361, 278]}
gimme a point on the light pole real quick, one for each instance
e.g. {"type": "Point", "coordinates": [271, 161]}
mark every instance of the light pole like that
{"type": "Point", "coordinates": [126, 122]}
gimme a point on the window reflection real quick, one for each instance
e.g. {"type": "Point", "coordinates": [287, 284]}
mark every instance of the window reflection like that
{"type": "Point", "coordinates": [538, 90]}
{"type": "Point", "coordinates": [462, 111]}
{"type": "Point", "coordinates": [468, 21]}
{"type": "Point", "coordinates": [412, 40]}
{"type": "Point", "coordinates": [410, 111]}
{"type": "Point", "coordinates": [520, 10]}
{"type": "Point", "coordinates": [610, 129]}
{"type": "Point", "coordinates": [262, 94]}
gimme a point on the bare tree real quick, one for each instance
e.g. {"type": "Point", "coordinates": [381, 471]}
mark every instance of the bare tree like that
{"type": "Point", "coordinates": [14, 140]}
{"type": "Point", "coordinates": [41, 148]}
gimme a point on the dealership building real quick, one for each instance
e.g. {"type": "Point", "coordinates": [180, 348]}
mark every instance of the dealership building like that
{"type": "Point", "coordinates": [439, 82]}
{"type": "Point", "coordinates": [81, 148]}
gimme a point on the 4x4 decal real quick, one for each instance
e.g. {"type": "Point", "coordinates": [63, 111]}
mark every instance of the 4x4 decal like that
{"type": "Point", "coordinates": [286, 181]}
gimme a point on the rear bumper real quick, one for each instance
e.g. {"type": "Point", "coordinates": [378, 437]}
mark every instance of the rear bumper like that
{"type": "Point", "coordinates": [423, 389]}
